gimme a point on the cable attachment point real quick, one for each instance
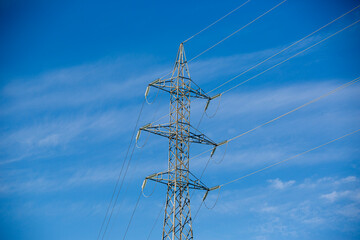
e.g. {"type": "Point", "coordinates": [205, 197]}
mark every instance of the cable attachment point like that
{"type": "Point", "coordinates": [138, 136]}
{"type": "Point", "coordinates": [208, 103]}
{"type": "Point", "coordinates": [143, 184]}
{"type": "Point", "coordinates": [217, 145]}
{"type": "Point", "coordinates": [148, 90]}
{"type": "Point", "coordinates": [222, 143]}
{"type": "Point", "coordinates": [205, 196]}
{"type": "Point", "coordinates": [216, 96]}
{"type": "Point", "coordinates": [210, 189]}
{"type": "Point", "coordinates": [211, 98]}
{"type": "Point", "coordinates": [138, 133]}
{"type": "Point", "coordinates": [213, 151]}
{"type": "Point", "coordinates": [214, 188]}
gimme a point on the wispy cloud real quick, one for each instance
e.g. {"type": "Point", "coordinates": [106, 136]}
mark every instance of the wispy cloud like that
{"type": "Point", "coordinates": [278, 184]}
{"type": "Point", "coordinates": [327, 202]}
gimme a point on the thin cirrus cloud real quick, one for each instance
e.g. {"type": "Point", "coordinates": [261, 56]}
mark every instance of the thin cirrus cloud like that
{"type": "Point", "coordinates": [77, 89]}
{"type": "Point", "coordinates": [301, 207]}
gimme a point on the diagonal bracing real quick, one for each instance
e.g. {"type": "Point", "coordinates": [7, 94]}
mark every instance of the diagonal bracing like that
{"type": "Point", "coordinates": [178, 178]}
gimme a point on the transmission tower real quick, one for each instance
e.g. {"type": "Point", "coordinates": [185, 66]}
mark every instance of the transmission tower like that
{"type": "Point", "coordinates": [178, 178]}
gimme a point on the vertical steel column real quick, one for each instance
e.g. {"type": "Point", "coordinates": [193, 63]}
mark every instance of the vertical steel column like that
{"type": "Point", "coordinates": [177, 221]}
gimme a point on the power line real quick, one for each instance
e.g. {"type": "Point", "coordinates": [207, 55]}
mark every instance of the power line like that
{"type": "Point", "coordinates": [278, 64]}
{"type": "Point", "coordinates": [232, 34]}
{"type": "Point", "coordinates": [118, 193]}
{"type": "Point", "coordinates": [300, 107]}
{"type": "Point", "coordinates": [117, 213]}
{"type": "Point", "coordinates": [291, 111]}
{"type": "Point", "coordinates": [122, 167]}
{"type": "Point", "coordinates": [283, 115]}
{"type": "Point", "coordinates": [126, 169]}
{"type": "Point", "coordinates": [308, 103]}
{"type": "Point", "coordinates": [345, 85]}
{"type": "Point", "coordinates": [212, 24]}
{"type": "Point", "coordinates": [290, 158]}
{"type": "Point", "coordinates": [275, 164]}
{"type": "Point", "coordinates": [295, 43]}
{"type": "Point", "coordinates": [268, 122]}
{"type": "Point", "coordinates": [156, 220]}
{"type": "Point", "coordinates": [132, 216]}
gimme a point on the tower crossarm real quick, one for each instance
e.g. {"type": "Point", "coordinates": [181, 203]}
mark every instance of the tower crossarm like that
{"type": "Point", "coordinates": [168, 178]}
{"type": "Point", "coordinates": [167, 85]}
{"type": "Point", "coordinates": [169, 131]}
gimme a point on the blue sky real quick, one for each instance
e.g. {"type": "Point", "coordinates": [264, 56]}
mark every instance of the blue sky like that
{"type": "Point", "coordinates": [73, 76]}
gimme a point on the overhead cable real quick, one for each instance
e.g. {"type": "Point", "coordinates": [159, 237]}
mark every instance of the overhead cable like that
{"type": "Point", "coordinates": [312, 101]}
{"type": "Point", "coordinates": [132, 216]}
{"type": "Point", "coordinates": [212, 24]}
{"type": "Point", "coordinates": [295, 43]}
{"type": "Point", "coordinates": [289, 58]}
{"type": "Point", "coordinates": [278, 64]}
{"type": "Point", "coordinates": [232, 34]}
{"type": "Point", "coordinates": [118, 192]}
{"type": "Point", "coordinates": [300, 107]}
{"type": "Point", "coordinates": [290, 158]}
{"type": "Point", "coordinates": [273, 165]}
{"type": "Point", "coordinates": [287, 113]}
{"type": "Point", "coordinates": [121, 171]}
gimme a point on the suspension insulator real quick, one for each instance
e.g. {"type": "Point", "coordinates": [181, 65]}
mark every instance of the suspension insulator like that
{"type": "Point", "coordinates": [147, 91]}
{"type": "Point", "coordinates": [144, 184]}
{"type": "Point", "coordinates": [207, 192]}
{"type": "Point", "coordinates": [213, 151]}
{"type": "Point", "coordinates": [138, 135]}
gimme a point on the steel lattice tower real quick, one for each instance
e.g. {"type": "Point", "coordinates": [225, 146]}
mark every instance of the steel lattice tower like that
{"type": "Point", "coordinates": [178, 178]}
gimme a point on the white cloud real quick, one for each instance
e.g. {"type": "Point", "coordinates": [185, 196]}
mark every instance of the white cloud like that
{"type": "Point", "coordinates": [351, 210]}
{"type": "Point", "coordinates": [50, 140]}
{"type": "Point", "coordinates": [339, 195]}
{"type": "Point", "coordinates": [267, 209]}
{"type": "Point", "coordinates": [348, 179]}
{"type": "Point", "coordinates": [328, 182]}
{"type": "Point", "coordinates": [278, 184]}
{"type": "Point", "coordinates": [333, 196]}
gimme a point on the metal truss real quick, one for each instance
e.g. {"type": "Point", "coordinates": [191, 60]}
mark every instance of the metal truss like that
{"type": "Point", "coordinates": [169, 131]}
{"type": "Point", "coordinates": [166, 178]}
{"type": "Point", "coordinates": [178, 179]}
{"type": "Point", "coordinates": [167, 86]}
